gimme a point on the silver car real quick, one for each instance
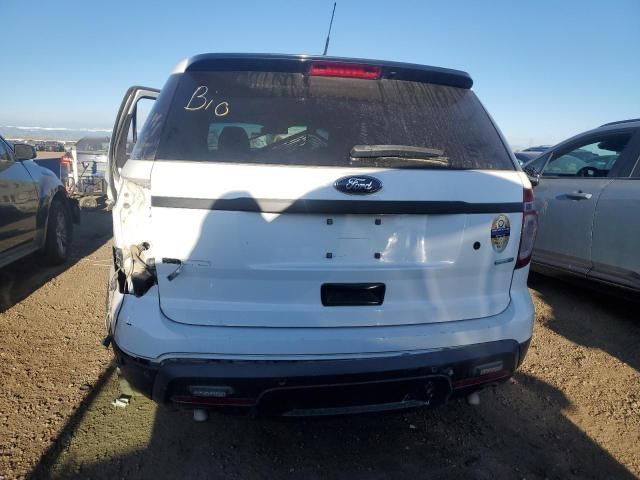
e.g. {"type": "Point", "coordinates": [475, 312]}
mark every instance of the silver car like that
{"type": "Point", "coordinates": [588, 202]}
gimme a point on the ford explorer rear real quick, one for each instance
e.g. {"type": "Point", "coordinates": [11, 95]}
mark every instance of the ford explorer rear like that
{"type": "Point", "coordinates": [298, 235]}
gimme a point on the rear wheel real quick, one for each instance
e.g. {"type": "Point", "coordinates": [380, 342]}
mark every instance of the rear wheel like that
{"type": "Point", "coordinates": [59, 230]}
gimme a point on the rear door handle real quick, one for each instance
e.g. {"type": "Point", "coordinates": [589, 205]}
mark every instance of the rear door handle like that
{"type": "Point", "coordinates": [579, 195]}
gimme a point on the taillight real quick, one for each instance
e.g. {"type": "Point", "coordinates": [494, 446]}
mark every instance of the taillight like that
{"type": "Point", "coordinates": [529, 228]}
{"type": "Point", "coordinates": [350, 70]}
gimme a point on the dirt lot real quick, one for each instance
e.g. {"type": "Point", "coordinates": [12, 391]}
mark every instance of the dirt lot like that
{"type": "Point", "coordinates": [572, 411]}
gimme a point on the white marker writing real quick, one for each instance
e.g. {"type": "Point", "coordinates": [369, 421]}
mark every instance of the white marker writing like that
{"type": "Point", "coordinates": [199, 95]}
{"type": "Point", "coordinates": [220, 110]}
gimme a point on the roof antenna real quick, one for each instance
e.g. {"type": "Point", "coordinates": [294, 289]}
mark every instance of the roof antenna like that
{"type": "Point", "coordinates": [326, 45]}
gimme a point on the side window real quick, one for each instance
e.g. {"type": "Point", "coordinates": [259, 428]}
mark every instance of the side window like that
{"type": "Point", "coordinates": [593, 159]}
{"type": "Point", "coordinates": [4, 151]}
{"type": "Point", "coordinates": [140, 116]}
{"type": "Point", "coordinates": [139, 120]}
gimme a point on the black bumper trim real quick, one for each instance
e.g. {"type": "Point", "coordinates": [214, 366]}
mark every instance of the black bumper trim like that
{"type": "Point", "coordinates": [252, 378]}
{"type": "Point", "coordinates": [316, 206]}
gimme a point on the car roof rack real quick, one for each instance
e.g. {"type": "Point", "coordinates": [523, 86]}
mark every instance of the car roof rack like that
{"type": "Point", "coordinates": [621, 121]}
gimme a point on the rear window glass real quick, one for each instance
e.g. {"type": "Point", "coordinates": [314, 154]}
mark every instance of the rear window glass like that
{"type": "Point", "coordinates": [294, 119]}
{"type": "Point", "coordinates": [93, 144]}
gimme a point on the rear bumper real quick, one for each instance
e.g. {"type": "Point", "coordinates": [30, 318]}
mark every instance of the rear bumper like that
{"type": "Point", "coordinates": [325, 387]}
{"type": "Point", "coordinates": [142, 330]}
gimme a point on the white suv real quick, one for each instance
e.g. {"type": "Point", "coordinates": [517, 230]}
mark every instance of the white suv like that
{"type": "Point", "coordinates": [299, 235]}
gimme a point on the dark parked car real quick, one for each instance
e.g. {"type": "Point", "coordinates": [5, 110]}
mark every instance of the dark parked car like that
{"type": "Point", "coordinates": [525, 156]}
{"type": "Point", "coordinates": [530, 153]}
{"type": "Point", "coordinates": [538, 148]}
{"type": "Point", "coordinates": [50, 146]}
{"type": "Point", "coordinates": [35, 212]}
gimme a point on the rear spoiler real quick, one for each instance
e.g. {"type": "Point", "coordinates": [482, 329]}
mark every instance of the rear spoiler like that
{"type": "Point", "coordinates": [216, 62]}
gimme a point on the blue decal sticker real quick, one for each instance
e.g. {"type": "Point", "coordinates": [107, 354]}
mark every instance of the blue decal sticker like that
{"type": "Point", "coordinates": [500, 233]}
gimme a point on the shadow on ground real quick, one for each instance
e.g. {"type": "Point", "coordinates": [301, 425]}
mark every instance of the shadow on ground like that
{"type": "Point", "coordinates": [519, 431]}
{"type": "Point", "coordinates": [20, 279]}
{"type": "Point", "coordinates": [592, 317]}
{"type": "Point", "coordinates": [73, 423]}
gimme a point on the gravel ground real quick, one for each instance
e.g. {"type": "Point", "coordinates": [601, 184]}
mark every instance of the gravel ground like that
{"type": "Point", "coordinates": [572, 411]}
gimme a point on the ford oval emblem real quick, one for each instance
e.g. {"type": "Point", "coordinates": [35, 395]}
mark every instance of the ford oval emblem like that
{"type": "Point", "coordinates": [358, 185]}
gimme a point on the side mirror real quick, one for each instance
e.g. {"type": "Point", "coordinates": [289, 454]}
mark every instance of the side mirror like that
{"type": "Point", "coordinates": [533, 175]}
{"type": "Point", "coordinates": [22, 151]}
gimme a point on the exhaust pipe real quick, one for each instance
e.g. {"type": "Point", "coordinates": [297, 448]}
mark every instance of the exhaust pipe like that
{"type": "Point", "coordinates": [200, 415]}
{"type": "Point", "coordinates": [473, 399]}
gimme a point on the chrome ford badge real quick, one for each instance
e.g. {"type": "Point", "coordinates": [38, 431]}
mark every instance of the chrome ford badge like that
{"type": "Point", "coordinates": [358, 185]}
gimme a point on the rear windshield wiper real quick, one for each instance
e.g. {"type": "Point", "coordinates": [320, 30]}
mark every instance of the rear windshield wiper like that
{"type": "Point", "coordinates": [425, 155]}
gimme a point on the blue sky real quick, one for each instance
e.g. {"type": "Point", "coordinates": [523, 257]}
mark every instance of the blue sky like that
{"type": "Point", "coordinates": [545, 69]}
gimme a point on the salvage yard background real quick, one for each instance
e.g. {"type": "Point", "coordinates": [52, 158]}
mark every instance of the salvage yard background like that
{"type": "Point", "coordinates": [572, 411]}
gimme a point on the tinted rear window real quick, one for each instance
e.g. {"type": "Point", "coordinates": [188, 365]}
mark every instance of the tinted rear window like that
{"type": "Point", "coordinates": [294, 119]}
{"type": "Point", "coordinates": [93, 144]}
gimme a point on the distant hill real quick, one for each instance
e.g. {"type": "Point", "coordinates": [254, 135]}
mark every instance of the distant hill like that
{"type": "Point", "coordinates": [50, 133]}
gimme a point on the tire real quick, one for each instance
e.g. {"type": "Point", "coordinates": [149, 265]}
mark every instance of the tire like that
{"type": "Point", "coordinates": [57, 245]}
